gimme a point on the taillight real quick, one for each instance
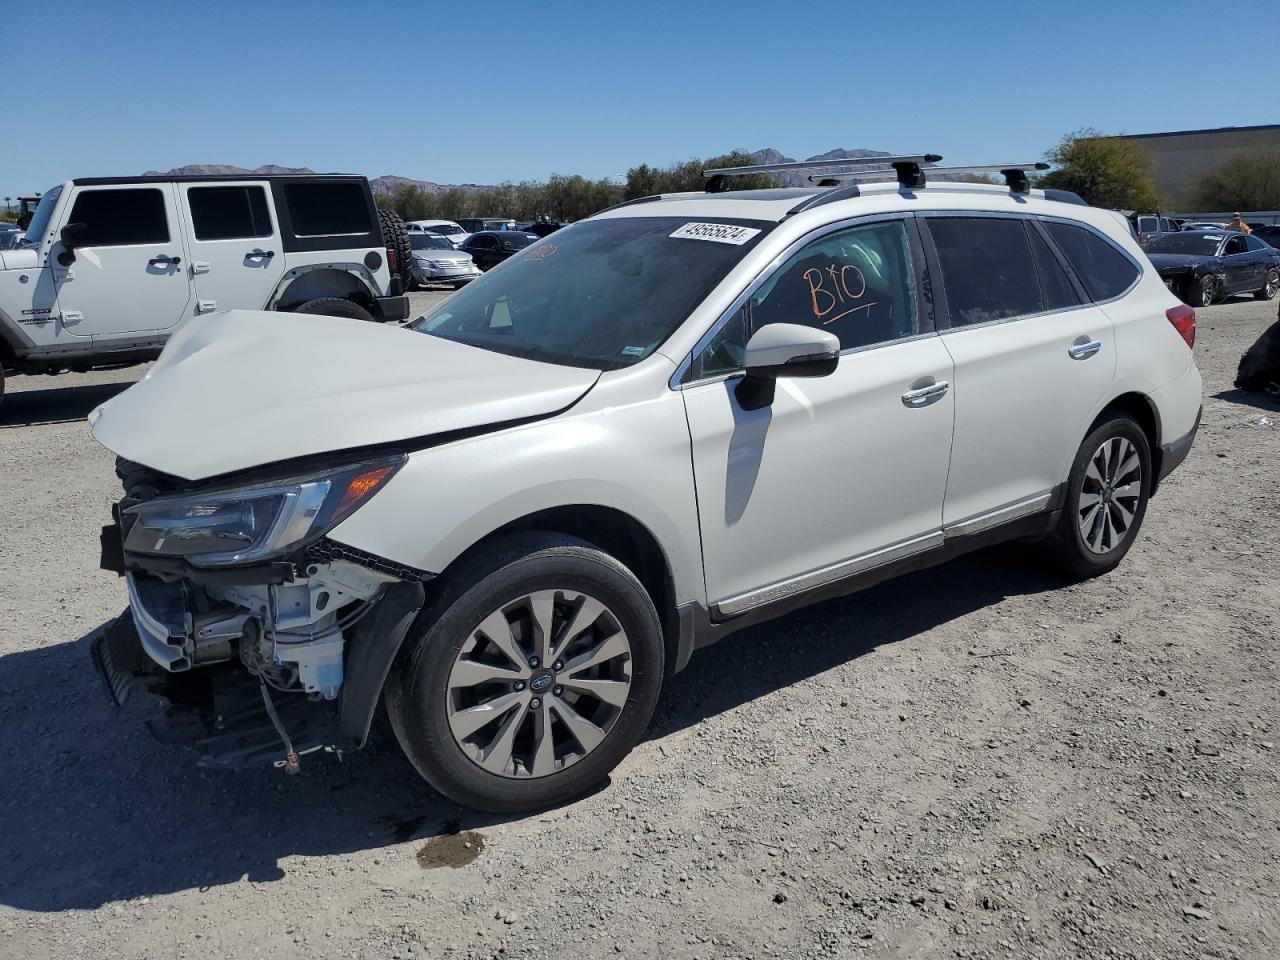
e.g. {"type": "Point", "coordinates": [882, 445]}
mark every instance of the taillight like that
{"type": "Point", "coordinates": [393, 261]}
{"type": "Point", "coordinates": [1183, 319]}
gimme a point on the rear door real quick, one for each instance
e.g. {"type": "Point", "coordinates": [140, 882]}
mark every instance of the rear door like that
{"type": "Point", "coordinates": [236, 257]}
{"type": "Point", "coordinates": [130, 279]}
{"type": "Point", "coordinates": [1032, 359]}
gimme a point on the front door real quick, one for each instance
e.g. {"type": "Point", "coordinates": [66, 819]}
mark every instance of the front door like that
{"type": "Point", "coordinates": [130, 279]}
{"type": "Point", "coordinates": [841, 473]}
{"type": "Point", "coordinates": [236, 256]}
{"type": "Point", "coordinates": [1032, 360]}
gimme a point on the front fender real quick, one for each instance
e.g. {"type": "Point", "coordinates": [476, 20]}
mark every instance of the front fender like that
{"type": "Point", "coordinates": [447, 498]}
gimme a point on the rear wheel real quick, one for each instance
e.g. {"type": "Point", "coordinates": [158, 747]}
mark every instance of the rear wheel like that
{"type": "Point", "coordinates": [533, 674]}
{"type": "Point", "coordinates": [1106, 498]}
{"type": "Point", "coordinates": [1270, 288]}
{"type": "Point", "coordinates": [335, 307]}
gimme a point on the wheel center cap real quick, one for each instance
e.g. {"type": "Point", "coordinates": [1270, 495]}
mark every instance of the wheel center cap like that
{"type": "Point", "coordinates": [541, 681]}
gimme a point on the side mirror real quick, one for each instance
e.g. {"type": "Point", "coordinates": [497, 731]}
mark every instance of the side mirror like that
{"type": "Point", "coordinates": [72, 236]}
{"type": "Point", "coordinates": [784, 350]}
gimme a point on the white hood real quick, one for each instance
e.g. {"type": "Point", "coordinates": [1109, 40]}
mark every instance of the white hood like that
{"type": "Point", "coordinates": [247, 388]}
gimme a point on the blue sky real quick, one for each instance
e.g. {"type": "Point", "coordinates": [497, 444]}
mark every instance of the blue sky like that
{"type": "Point", "coordinates": [489, 90]}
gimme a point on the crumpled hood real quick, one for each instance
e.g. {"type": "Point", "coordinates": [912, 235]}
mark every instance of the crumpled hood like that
{"type": "Point", "coordinates": [249, 387]}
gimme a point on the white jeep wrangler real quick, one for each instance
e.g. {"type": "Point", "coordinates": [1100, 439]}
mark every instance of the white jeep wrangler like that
{"type": "Point", "coordinates": [109, 267]}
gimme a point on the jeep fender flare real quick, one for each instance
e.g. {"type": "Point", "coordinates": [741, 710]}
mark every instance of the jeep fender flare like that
{"type": "Point", "coordinates": [312, 281]}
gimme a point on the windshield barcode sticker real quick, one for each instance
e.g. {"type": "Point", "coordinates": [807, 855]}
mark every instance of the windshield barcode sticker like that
{"type": "Point", "coordinates": [718, 232]}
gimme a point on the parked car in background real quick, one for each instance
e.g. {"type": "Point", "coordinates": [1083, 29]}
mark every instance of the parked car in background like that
{"type": "Point", "coordinates": [445, 228]}
{"type": "Point", "coordinates": [1205, 266]}
{"type": "Point", "coordinates": [1268, 233]}
{"type": "Point", "coordinates": [9, 232]}
{"type": "Point", "coordinates": [1146, 226]}
{"type": "Point", "coordinates": [1202, 225]}
{"type": "Point", "coordinates": [542, 228]}
{"type": "Point", "coordinates": [490, 247]}
{"type": "Point", "coordinates": [436, 260]}
{"type": "Point", "coordinates": [477, 224]}
{"type": "Point", "coordinates": [110, 267]}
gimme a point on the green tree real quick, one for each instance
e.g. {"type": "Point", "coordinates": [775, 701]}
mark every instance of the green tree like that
{"type": "Point", "coordinates": [1107, 172]}
{"type": "Point", "coordinates": [1247, 181]}
{"type": "Point", "coordinates": [644, 180]}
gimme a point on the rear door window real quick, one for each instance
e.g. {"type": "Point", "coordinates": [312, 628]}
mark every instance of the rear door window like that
{"type": "Point", "coordinates": [327, 209]}
{"type": "Point", "coordinates": [229, 213]}
{"type": "Point", "coordinates": [1105, 271]}
{"type": "Point", "coordinates": [119, 218]}
{"type": "Point", "coordinates": [988, 270]}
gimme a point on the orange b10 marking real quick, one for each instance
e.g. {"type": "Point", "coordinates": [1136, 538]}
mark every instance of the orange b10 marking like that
{"type": "Point", "coordinates": [843, 291]}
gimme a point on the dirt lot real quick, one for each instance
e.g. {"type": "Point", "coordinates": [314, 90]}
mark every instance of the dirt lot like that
{"type": "Point", "coordinates": [975, 761]}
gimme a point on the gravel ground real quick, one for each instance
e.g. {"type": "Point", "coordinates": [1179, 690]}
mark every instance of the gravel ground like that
{"type": "Point", "coordinates": [975, 761]}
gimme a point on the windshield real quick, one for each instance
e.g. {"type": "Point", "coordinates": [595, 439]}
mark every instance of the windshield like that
{"type": "Point", "coordinates": [1194, 244]}
{"type": "Point", "coordinates": [429, 241]}
{"type": "Point", "coordinates": [447, 228]}
{"type": "Point", "coordinates": [603, 294]}
{"type": "Point", "coordinates": [40, 219]}
{"type": "Point", "coordinates": [499, 225]}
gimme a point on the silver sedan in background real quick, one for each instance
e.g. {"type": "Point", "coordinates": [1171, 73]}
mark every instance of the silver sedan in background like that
{"type": "Point", "coordinates": [436, 260]}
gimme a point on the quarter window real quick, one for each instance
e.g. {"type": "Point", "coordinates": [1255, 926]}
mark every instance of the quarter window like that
{"type": "Point", "coordinates": [1105, 271]}
{"type": "Point", "coordinates": [327, 209]}
{"type": "Point", "coordinates": [118, 218]}
{"type": "Point", "coordinates": [229, 213]}
{"type": "Point", "coordinates": [988, 271]}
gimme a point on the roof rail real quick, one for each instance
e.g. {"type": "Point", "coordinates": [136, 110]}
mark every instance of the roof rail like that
{"type": "Point", "coordinates": [907, 167]}
{"type": "Point", "coordinates": [1015, 174]}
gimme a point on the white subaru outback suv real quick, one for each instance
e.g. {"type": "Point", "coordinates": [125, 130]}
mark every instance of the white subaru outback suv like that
{"type": "Point", "coordinates": [511, 518]}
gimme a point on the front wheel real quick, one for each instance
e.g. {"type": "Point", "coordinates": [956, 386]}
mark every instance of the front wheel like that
{"type": "Point", "coordinates": [1269, 288]}
{"type": "Point", "coordinates": [1204, 292]}
{"type": "Point", "coordinates": [1106, 499]}
{"type": "Point", "coordinates": [533, 674]}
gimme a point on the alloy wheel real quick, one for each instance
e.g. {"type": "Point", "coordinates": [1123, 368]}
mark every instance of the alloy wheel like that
{"type": "Point", "coordinates": [1110, 495]}
{"type": "Point", "coordinates": [539, 683]}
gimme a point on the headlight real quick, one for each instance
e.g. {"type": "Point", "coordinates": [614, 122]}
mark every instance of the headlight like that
{"type": "Point", "coordinates": [248, 524]}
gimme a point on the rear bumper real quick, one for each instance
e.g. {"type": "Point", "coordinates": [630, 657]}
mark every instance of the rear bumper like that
{"type": "Point", "coordinates": [1172, 454]}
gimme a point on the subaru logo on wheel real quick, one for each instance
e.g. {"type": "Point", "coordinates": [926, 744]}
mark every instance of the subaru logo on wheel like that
{"type": "Point", "coordinates": [540, 682]}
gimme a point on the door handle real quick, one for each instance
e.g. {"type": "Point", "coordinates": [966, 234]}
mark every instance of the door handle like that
{"type": "Point", "coordinates": [164, 261]}
{"type": "Point", "coordinates": [260, 254]}
{"type": "Point", "coordinates": [1083, 351]}
{"type": "Point", "coordinates": [921, 396]}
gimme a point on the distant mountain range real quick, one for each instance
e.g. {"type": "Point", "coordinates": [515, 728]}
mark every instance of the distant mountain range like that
{"type": "Point", "coordinates": [385, 184]}
{"type": "Point", "coordinates": [389, 183]}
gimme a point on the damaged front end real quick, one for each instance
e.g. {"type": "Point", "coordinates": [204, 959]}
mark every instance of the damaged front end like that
{"type": "Point", "coordinates": [265, 639]}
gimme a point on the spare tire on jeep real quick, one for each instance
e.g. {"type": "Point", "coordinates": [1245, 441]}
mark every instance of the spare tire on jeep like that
{"type": "Point", "coordinates": [399, 250]}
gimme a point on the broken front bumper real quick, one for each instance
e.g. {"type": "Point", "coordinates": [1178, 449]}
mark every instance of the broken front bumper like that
{"type": "Point", "coordinates": [219, 710]}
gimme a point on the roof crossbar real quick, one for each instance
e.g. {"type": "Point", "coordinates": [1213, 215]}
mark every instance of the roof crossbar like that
{"type": "Point", "coordinates": [1015, 174]}
{"type": "Point", "coordinates": [907, 167]}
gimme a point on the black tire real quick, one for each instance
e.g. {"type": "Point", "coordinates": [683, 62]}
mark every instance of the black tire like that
{"type": "Point", "coordinates": [418, 695]}
{"type": "Point", "coordinates": [1268, 291]}
{"type": "Point", "coordinates": [399, 249]}
{"type": "Point", "coordinates": [1204, 292]}
{"type": "Point", "coordinates": [1067, 541]}
{"type": "Point", "coordinates": [335, 307]}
